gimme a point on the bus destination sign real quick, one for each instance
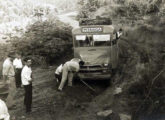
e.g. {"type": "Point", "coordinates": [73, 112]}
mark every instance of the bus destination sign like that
{"type": "Point", "coordinates": [92, 29]}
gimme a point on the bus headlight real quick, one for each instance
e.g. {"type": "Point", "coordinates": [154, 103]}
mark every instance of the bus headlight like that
{"type": "Point", "coordinates": [105, 64]}
{"type": "Point", "coordinates": [104, 71]}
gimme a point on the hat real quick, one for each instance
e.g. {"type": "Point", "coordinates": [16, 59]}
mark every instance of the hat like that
{"type": "Point", "coordinates": [27, 59]}
{"type": "Point", "coordinates": [11, 54]}
{"type": "Point", "coordinates": [120, 29]}
{"type": "Point", "coordinates": [81, 62]}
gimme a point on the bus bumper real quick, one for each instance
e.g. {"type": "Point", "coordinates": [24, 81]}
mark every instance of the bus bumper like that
{"type": "Point", "coordinates": [94, 76]}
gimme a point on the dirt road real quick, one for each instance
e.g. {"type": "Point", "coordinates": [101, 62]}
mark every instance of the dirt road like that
{"type": "Point", "coordinates": [49, 104]}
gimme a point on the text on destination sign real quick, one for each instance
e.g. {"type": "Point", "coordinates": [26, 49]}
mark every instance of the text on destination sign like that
{"type": "Point", "coordinates": [92, 30]}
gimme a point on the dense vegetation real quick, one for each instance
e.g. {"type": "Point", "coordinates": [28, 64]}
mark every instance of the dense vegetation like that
{"type": "Point", "coordinates": [121, 8]}
{"type": "Point", "coordinates": [141, 74]}
{"type": "Point", "coordinates": [34, 29]}
{"type": "Point", "coordinates": [44, 41]}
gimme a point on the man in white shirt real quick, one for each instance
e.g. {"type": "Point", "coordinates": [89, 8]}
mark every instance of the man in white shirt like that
{"type": "Point", "coordinates": [8, 69]}
{"type": "Point", "coordinates": [26, 77]}
{"type": "Point", "coordinates": [119, 34]}
{"type": "Point", "coordinates": [18, 68]}
{"type": "Point", "coordinates": [4, 115]}
{"type": "Point", "coordinates": [68, 71]}
{"type": "Point", "coordinates": [8, 77]}
{"type": "Point", "coordinates": [58, 73]}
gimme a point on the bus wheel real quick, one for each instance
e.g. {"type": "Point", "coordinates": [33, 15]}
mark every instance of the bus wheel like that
{"type": "Point", "coordinates": [108, 82]}
{"type": "Point", "coordinates": [76, 79]}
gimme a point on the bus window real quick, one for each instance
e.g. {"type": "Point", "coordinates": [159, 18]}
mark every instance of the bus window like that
{"type": "Point", "coordinates": [79, 40]}
{"type": "Point", "coordinates": [101, 40]}
{"type": "Point", "coordinates": [83, 41]}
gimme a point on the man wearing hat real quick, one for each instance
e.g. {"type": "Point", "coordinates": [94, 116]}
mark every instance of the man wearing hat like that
{"type": "Point", "coordinates": [9, 79]}
{"type": "Point", "coordinates": [119, 33]}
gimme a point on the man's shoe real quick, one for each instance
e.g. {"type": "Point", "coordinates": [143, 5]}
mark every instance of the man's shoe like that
{"type": "Point", "coordinates": [13, 107]}
{"type": "Point", "coordinates": [23, 117]}
{"type": "Point", "coordinates": [28, 111]}
{"type": "Point", "coordinates": [70, 85]}
{"type": "Point", "coordinates": [59, 90]}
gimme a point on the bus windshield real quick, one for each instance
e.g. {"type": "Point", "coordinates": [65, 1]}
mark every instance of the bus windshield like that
{"type": "Point", "coordinates": [92, 40]}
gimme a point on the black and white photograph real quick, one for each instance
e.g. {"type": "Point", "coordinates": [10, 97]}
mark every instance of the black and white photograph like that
{"type": "Point", "coordinates": [82, 59]}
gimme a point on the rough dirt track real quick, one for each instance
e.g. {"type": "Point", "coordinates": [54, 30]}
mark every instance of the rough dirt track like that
{"type": "Point", "coordinates": [49, 104]}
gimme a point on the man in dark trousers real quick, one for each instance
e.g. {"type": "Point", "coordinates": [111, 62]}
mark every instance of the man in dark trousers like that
{"type": "Point", "coordinates": [18, 68]}
{"type": "Point", "coordinates": [26, 77]}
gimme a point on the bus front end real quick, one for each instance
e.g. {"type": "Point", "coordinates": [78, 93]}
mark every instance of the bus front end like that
{"type": "Point", "coordinates": [93, 45]}
{"type": "Point", "coordinates": [97, 63]}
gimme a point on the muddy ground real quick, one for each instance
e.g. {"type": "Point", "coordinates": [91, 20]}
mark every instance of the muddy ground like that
{"type": "Point", "coordinates": [49, 104]}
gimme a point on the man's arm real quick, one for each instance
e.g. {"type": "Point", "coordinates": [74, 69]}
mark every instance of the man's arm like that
{"type": "Point", "coordinates": [6, 72]}
{"type": "Point", "coordinates": [8, 69]}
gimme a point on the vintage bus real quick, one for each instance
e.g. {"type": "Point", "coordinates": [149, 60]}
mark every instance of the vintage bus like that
{"type": "Point", "coordinates": [95, 44]}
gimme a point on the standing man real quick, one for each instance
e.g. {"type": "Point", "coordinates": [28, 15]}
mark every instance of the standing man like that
{"type": "Point", "coordinates": [18, 68]}
{"type": "Point", "coordinates": [26, 77]}
{"type": "Point", "coordinates": [8, 77]}
{"type": "Point", "coordinates": [68, 71]}
{"type": "Point", "coordinates": [119, 33]}
{"type": "Point", "coordinates": [4, 115]}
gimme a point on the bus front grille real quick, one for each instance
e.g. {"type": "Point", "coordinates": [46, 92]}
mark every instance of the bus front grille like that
{"type": "Point", "coordinates": [90, 69]}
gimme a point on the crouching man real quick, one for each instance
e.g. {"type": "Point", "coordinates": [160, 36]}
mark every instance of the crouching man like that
{"type": "Point", "coordinates": [68, 71]}
{"type": "Point", "coordinates": [58, 73]}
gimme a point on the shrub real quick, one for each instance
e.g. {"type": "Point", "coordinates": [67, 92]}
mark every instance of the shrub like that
{"type": "Point", "coordinates": [44, 41]}
{"type": "Point", "coordinates": [152, 8]}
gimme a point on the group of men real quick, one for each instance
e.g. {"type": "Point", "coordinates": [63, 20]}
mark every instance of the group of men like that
{"type": "Point", "coordinates": [14, 76]}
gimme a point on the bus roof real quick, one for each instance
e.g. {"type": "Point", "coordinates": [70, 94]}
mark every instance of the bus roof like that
{"type": "Point", "coordinates": [98, 21]}
{"type": "Point", "coordinates": [94, 29]}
